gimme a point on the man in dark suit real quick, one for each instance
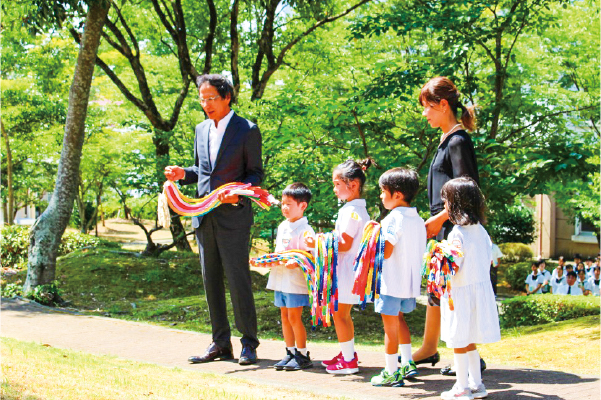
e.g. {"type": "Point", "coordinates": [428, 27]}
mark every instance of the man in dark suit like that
{"type": "Point", "coordinates": [227, 148]}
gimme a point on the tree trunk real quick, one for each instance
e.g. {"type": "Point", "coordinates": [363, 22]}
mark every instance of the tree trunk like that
{"type": "Point", "coordinates": [10, 212]}
{"type": "Point", "coordinates": [48, 229]}
{"type": "Point", "coordinates": [235, 47]}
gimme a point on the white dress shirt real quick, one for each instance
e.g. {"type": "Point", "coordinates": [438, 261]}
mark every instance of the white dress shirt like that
{"type": "Point", "coordinates": [216, 136]}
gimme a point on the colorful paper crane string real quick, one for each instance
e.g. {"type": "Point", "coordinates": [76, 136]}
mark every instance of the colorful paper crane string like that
{"type": "Point", "coordinates": [368, 264]}
{"type": "Point", "coordinates": [439, 265]}
{"type": "Point", "coordinates": [303, 259]}
{"type": "Point", "coordinates": [189, 207]}
{"type": "Point", "coordinates": [325, 294]}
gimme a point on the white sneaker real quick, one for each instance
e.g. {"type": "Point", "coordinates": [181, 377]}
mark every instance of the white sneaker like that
{"type": "Point", "coordinates": [479, 392]}
{"type": "Point", "coordinates": [456, 393]}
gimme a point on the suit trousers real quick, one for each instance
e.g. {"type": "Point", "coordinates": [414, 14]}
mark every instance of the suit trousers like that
{"type": "Point", "coordinates": [225, 252]}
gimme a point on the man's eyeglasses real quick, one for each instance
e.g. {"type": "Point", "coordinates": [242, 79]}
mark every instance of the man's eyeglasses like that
{"type": "Point", "coordinates": [208, 99]}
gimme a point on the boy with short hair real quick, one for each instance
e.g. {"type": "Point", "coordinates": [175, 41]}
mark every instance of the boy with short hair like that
{"type": "Point", "coordinates": [288, 282]}
{"type": "Point", "coordinates": [405, 235]}
{"type": "Point", "coordinates": [593, 282]}
{"type": "Point", "coordinates": [570, 287]}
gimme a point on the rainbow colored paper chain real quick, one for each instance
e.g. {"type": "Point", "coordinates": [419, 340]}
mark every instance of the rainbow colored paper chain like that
{"type": "Point", "coordinates": [190, 207]}
{"type": "Point", "coordinates": [320, 274]}
{"type": "Point", "coordinates": [368, 264]}
{"type": "Point", "coordinates": [304, 259]}
{"type": "Point", "coordinates": [439, 265]}
{"type": "Point", "coordinates": [325, 294]}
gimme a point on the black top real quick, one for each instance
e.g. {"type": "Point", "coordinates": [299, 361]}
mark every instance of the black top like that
{"type": "Point", "coordinates": [454, 158]}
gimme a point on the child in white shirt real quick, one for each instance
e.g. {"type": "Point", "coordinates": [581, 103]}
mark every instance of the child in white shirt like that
{"type": "Point", "coordinates": [288, 281]}
{"type": "Point", "coordinates": [570, 287]}
{"type": "Point", "coordinates": [534, 281]}
{"type": "Point", "coordinates": [593, 282]}
{"type": "Point", "coordinates": [474, 318]}
{"type": "Point", "coordinates": [557, 279]}
{"type": "Point", "coordinates": [348, 179]}
{"type": "Point", "coordinates": [405, 234]}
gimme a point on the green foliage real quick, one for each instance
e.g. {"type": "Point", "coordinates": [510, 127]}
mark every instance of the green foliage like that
{"type": "Point", "coordinates": [541, 309]}
{"type": "Point", "coordinates": [512, 225]}
{"type": "Point", "coordinates": [516, 251]}
{"type": "Point", "coordinates": [12, 290]}
{"type": "Point", "coordinates": [49, 294]}
{"type": "Point", "coordinates": [14, 243]}
{"type": "Point", "coordinates": [517, 273]}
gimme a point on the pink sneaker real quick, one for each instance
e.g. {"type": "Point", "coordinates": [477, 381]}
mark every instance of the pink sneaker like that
{"type": "Point", "coordinates": [344, 367]}
{"type": "Point", "coordinates": [327, 363]}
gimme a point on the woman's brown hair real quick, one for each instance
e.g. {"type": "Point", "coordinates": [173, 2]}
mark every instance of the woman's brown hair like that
{"type": "Point", "coordinates": [441, 88]}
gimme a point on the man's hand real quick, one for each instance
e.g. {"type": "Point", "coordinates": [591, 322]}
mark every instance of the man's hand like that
{"type": "Point", "coordinates": [228, 198]}
{"type": "Point", "coordinates": [174, 173]}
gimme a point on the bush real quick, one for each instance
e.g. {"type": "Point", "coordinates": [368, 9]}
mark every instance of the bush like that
{"type": "Point", "coordinates": [13, 244]}
{"type": "Point", "coordinates": [542, 309]}
{"type": "Point", "coordinates": [12, 290]}
{"type": "Point", "coordinates": [48, 295]}
{"type": "Point", "coordinates": [516, 251]}
{"type": "Point", "coordinates": [15, 241]}
{"type": "Point", "coordinates": [512, 224]}
{"type": "Point", "coordinates": [517, 273]}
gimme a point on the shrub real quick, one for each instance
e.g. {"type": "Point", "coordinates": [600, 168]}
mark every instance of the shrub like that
{"type": "Point", "coordinates": [516, 251]}
{"type": "Point", "coordinates": [541, 309]}
{"type": "Point", "coordinates": [15, 241]}
{"type": "Point", "coordinates": [12, 290]}
{"type": "Point", "coordinates": [517, 273]}
{"type": "Point", "coordinates": [13, 244]}
{"type": "Point", "coordinates": [49, 295]}
{"type": "Point", "coordinates": [512, 224]}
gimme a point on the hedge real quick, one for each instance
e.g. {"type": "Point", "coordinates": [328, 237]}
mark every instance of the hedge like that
{"type": "Point", "coordinates": [517, 273]}
{"type": "Point", "coordinates": [14, 243]}
{"type": "Point", "coordinates": [545, 308]}
{"type": "Point", "coordinates": [516, 251]}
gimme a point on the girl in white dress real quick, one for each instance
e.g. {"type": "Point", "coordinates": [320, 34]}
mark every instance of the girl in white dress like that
{"type": "Point", "coordinates": [475, 318]}
{"type": "Point", "coordinates": [348, 179]}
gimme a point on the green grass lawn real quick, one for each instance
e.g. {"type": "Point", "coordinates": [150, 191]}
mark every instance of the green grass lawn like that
{"type": "Point", "coordinates": [168, 291]}
{"type": "Point", "coordinates": [31, 371]}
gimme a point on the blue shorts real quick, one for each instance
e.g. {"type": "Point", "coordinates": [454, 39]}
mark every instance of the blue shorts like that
{"type": "Point", "coordinates": [389, 305]}
{"type": "Point", "coordinates": [290, 300]}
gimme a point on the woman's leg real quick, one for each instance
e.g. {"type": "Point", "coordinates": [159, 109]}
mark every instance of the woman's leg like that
{"type": "Point", "coordinates": [431, 334]}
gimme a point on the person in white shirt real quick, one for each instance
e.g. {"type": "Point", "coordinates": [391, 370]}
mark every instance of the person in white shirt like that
{"type": "Point", "coordinates": [497, 254]}
{"type": "Point", "coordinates": [542, 269]}
{"type": "Point", "coordinates": [405, 234]}
{"type": "Point", "coordinates": [582, 282]}
{"type": "Point", "coordinates": [593, 282]}
{"type": "Point", "coordinates": [534, 281]}
{"type": "Point", "coordinates": [288, 281]}
{"type": "Point", "coordinates": [557, 279]}
{"type": "Point", "coordinates": [588, 267]}
{"type": "Point", "coordinates": [570, 287]}
{"type": "Point", "coordinates": [561, 263]}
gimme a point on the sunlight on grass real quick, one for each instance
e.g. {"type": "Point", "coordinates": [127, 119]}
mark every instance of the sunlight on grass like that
{"type": "Point", "coordinates": [34, 372]}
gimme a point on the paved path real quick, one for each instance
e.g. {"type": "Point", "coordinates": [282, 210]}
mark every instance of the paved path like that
{"type": "Point", "coordinates": [142, 342]}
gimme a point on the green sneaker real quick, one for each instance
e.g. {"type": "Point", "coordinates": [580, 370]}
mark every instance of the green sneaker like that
{"type": "Point", "coordinates": [409, 370]}
{"type": "Point", "coordinates": [386, 379]}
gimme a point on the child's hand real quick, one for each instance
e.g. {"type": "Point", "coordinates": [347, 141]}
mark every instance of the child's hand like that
{"type": "Point", "coordinates": [309, 242]}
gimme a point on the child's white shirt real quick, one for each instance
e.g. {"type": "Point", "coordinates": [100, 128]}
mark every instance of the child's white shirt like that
{"type": "Point", "coordinates": [555, 284]}
{"type": "Point", "coordinates": [290, 236]}
{"type": "Point", "coordinates": [563, 289]}
{"type": "Point", "coordinates": [401, 272]}
{"type": "Point", "coordinates": [546, 275]}
{"type": "Point", "coordinates": [474, 266]}
{"type": "Point", "coordinates": [351, 220]}
{"type": "Point", "coordinates": [592, 286]}
{"type": "Point", "coordinates": [533, 282]}
{"type": "Point", "coordinates": [496, 254]}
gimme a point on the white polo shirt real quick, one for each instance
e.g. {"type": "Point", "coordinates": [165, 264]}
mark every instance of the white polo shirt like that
{"type": "Point", "coordinates": [290, 236]}
{"type": "Point", "coordinates": [405, 230]}
{"type": "Point", "coordinates": [533, 282]}
{"type": "Point", "coordinates": [576, 291]}
{"type": "Point", "coordinates": [593, 286]}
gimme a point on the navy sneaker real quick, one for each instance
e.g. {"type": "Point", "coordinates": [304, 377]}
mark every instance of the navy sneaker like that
{"type": "Point", "coordinates": [299, 362]}
{"type": "Point", "coordinates": [248, 356]}
{"type": "Point", "coordinates": [279, 366]}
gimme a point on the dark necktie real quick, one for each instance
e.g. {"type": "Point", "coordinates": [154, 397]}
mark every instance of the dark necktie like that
{"type": "Point", "coordinates": [597, 282]}
{"type": "Point", "coordinates": [569, 290]}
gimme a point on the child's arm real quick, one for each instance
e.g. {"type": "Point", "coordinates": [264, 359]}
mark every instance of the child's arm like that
{"type": "Point", "coordinates": [388, 248]}
{"type": "Point", "coordinates": [345, 242]}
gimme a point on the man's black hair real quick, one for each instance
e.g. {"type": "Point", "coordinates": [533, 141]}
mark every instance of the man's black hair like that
{"type": "Point", "coordinates": [219, 82]}
{"type": "Point", "coordinates": [402, 180]}
{"type": "Point", "coordinates": [299, 192]}
{"type": "Point", "coordinates": [572, 273]}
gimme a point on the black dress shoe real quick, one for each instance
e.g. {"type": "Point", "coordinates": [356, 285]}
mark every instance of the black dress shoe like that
{"type": "Point", "coordinates": [248, 356]}
{"type": "Point", "coordinates": [213, 352]}
{"type": "Point", "coordinates": [450, 371]}
{"type": "Point", "coordinates": [434, 359]}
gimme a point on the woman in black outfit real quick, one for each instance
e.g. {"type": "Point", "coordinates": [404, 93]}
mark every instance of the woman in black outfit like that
{"type": "Point", "coordinates": [455, 157]}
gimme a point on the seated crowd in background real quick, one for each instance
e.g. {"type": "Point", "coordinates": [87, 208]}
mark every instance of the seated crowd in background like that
{"type": "Point", "coordinates": [581, 278]}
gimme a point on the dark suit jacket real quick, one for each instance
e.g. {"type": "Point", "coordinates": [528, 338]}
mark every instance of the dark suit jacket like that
{"type": "Point", "coordinates": [239, 160]}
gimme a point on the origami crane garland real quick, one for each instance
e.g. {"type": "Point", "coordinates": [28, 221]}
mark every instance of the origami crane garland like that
{"type": "Point", "coordinates": [368, 264]}
{"type": "Point", "coordinates": [439, 265]}
{"type": "Point", "coordinates": [190, 207]}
